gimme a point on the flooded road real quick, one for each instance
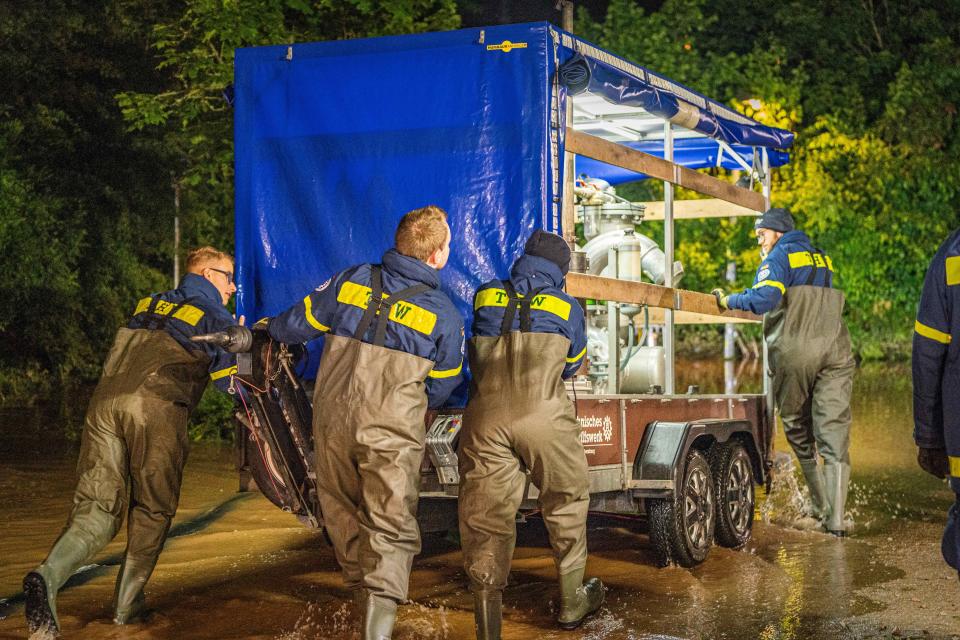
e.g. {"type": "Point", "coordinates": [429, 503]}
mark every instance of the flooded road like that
{"type": "Point", "coordinates": [236, 567]}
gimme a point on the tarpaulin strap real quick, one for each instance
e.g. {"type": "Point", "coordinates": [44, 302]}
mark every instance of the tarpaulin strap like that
{"type": "Point", "coordinates": [378, 306]}
{"type": "Point", "coordinates": [513, 302]}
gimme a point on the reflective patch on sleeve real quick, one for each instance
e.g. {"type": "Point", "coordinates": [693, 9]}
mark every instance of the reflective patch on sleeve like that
{"type": "Point", "coordinates": [311, 319]}
{"type": "Point", "coordinates": [324, 285]}
{"type": "Point", "coordinates": [933, 334]}
{"type": "Point", "coordinates": [223, 373]}
{"type": "Point", "coordinates": [771, 283]}
{"type": "Point", "coordinates": [189, 314]}
{"type": "Point", "coordinates": [800, 259]}
{"type": "Point", "coordinates": [953, 271]}
{"type": "Point", "coordinates": [446, 373]}
{"type": "Point", "coordinates": [577, 357]}
{"type": "Point", "coordinates": [405, 313]}
{"type": "Point", "coordinates": [954, 466]}
{"type": "Point", "coordinates": [764, 273]}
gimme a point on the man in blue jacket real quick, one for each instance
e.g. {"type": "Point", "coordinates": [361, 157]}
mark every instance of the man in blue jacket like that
{"type": "Point", "coordinates": [936, 381]}
{"type": "Point", "coordinates": [135, 436]}
{"type": "Point", "coordinates": [393, 348]}
{"type": "Point", "coordinates": [528, 336]}
{"type": "Point", "coordinates": [809, 354]}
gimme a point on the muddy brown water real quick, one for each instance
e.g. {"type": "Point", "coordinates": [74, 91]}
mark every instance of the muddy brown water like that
{"type": "Point", "coordinates": [236, 567]}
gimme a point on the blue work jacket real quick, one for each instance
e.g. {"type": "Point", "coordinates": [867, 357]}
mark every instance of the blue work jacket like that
{"type": "Point", "coordinates": [792, 262]}
{"type": "Point", "coordinates": [191, 309]}
{"type": "Point", "coordinates": [427, 325]}
{"type": "Point", "coordinates": [936, 357]}
{"type": "Point", "coordinates": [552, 310]}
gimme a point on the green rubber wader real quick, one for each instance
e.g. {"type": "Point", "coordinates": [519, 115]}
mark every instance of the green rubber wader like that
{"type": "Point", "coordinates": [134, 444]}
{"type": "Point", "coordinates": [519, 417]}
{"type": "Point", "coordinates": [813, 367]}
{"type": "Point", "coordinates": [369, 405]}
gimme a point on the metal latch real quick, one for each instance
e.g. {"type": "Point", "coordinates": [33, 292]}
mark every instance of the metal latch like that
{"type": "Point", "coordinates": [440, 442]}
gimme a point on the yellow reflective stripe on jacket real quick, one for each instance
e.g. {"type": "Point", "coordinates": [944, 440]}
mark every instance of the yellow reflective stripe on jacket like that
{"type": "Point", "coordinates": [405, 313]}
{"type": "Point", "coordinates": [446, 373]}
{"type": "Point", "coordinates": [186, 313]}
{"type": "Point", "coordinates": [771, 283]}
{"type": "Point", "coordinates": [577, 357]}
{"type": "Point", "coordinates": [933, 334]}
{"type": "Point", "coordinates": [189, 314]}
{"type": "Point", "coordinates": [807, 259]}
{"type": "Point", "coordinates": [142, 306]}
{"type": "Point", "coordinates": [954, 466]}
{"type": "Point", "coordinates": [223, 373]}
{"type": "Point", "coordinates": [953, 270]}
{"type": "Point", "coordinates": [308, 312]}
{"type": "Point", "coordinates": [541, 302]}
{"type": "Point", "coordinates": [490, 298]}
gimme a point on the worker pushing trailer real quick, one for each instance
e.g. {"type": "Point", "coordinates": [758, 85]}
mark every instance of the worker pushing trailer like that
{"type": "Point", "coordinates": [335, 140]}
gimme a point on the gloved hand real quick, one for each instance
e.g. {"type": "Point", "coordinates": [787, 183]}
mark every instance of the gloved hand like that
{"type": "Point", "coordinates": [721, 298]}
{"type": "Point", "coordinates": [934, 462]}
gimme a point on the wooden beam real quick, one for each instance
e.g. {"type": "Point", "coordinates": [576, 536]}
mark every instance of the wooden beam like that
{"type": "Point", "coordinates": [619, 155]}
{"type": "Point", "coordinates": [658, 316]}
{"type": "Point", "coordinates": [693, 209]}
{"type": "Point", "coordinates": [581, 285]}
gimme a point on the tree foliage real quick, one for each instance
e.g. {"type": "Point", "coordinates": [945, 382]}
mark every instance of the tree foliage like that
{"type": "Point", "coordinates": [870, 87]}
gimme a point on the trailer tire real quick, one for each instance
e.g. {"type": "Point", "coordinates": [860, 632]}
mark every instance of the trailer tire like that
{"type": "Point", "coordinates": [682, 528]}
{"type": "Point", "coordinates": [733, 479]}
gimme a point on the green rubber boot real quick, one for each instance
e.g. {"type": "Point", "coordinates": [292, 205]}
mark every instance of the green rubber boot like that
{"type": "Point", "coordinates": [129, 604]}
{"type": "Point", "coordinates": [487, 612]}
{"type": "Point", "coordinates": [378, 617]}
{"type": "Point", "coordinates": [578, 599]}
{"type": "Point", "coordinates": [40, 605]}
{"type": "Point", "coordinates": [71, 551]}
{"type": "Point", "coordinates": [813, 474]}
{"type": "Point", "coordinates": [837, 481]}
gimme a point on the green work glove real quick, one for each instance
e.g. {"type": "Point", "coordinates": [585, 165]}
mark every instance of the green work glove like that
{"type": "Point", "coordinates": [934, 461]}
{"type": "Point", "coordinates": [721, 298]}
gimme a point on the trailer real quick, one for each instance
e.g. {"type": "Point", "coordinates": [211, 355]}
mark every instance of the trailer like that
{"type": "Point", "coordinates": [509, 129]}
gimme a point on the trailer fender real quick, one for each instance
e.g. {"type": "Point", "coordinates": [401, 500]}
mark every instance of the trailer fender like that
{"type": "Point", "coordinates": [657, 465]}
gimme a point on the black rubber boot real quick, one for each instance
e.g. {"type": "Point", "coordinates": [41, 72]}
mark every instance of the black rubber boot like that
{"type": "Point", "coordinates": [40, 605]}
{"type": "Point", "coordinates": [378, 618]}
{"type": "Point", "coordinates": [578, 599]}
{"type": "Point", "coordinates": [488, 613]}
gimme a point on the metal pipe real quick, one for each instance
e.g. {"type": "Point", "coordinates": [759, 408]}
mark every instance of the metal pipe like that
{"type": "Point", "coordinates": [651, 262]}
{"type": "Point", "coordinates": [613, 334]}
{"type": "Point", "coordinates": [668, 246]}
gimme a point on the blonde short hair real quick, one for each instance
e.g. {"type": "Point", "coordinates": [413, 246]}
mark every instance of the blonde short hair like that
{"type": "Point", "coordinates": [201, 257]}
{"type": "Point", "coordinates": [421, 232]}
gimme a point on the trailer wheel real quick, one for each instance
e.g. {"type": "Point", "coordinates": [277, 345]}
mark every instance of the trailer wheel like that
{"type": "Point", "coordinates": [733, 477]}
{"type": "Point", "coordinates": [681, 529]}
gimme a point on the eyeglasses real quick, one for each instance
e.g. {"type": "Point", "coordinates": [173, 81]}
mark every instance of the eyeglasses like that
{"type": "Point", "coordinates": [228, 274]}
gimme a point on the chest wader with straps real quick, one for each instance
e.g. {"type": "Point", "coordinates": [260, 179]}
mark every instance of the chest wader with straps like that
{"type": "Point", "coordinates": [813, 366]}
{"type": "Point", "coordinates": [134, 440]}
{"type": "Point", "coordinates": [369, 406]}
{"type": "Point", "coordinates": [518, 418]}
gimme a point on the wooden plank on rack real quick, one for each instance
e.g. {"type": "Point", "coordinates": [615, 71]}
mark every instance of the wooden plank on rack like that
{"type": "Point", "coordinates": [619, 155]}
{"type": "Point", "coordinates": [581, 285]}
{"type": "Point", "coordinates": [694, 209]}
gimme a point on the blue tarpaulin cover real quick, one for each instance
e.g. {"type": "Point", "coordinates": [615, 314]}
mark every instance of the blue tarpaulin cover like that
{"type": "Point", "coordinates": [335, 141]}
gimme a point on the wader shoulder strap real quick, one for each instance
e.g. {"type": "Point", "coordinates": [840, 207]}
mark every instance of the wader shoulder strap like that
{"type": "Point", "coordinates": [513, 302]}
{"type": "Point", "coordinates": [381, 305]}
